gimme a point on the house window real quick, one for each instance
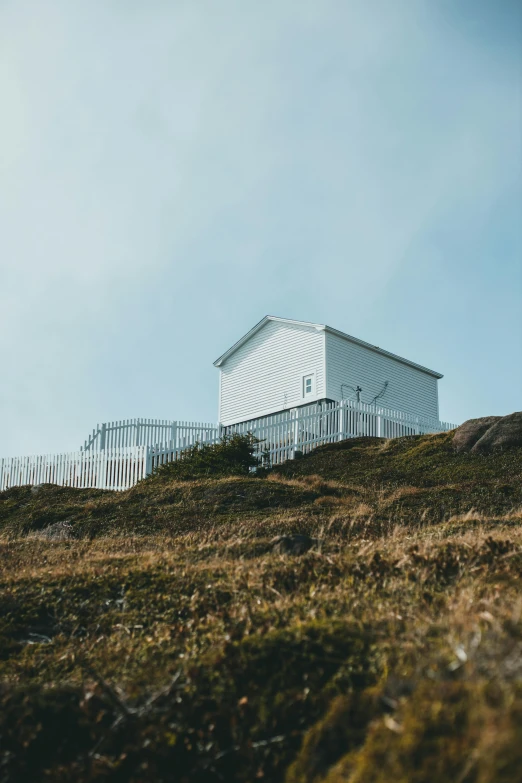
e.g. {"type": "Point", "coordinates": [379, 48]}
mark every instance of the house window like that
{"type": "Point", "coordinates": [308, 386]}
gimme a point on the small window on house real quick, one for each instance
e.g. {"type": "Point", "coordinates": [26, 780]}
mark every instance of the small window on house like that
{"type": "Point", "coordinates": [308, 386]}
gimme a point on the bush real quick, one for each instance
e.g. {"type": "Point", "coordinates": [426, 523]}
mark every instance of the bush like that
{"type": "Point", "coordinates": [234, 455]}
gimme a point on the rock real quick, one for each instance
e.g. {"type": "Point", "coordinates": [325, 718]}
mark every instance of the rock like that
{"type": "Point", "coordinates": [293, 545]}
{"type": "Point", "coordinates": [36, 488]}
{"type": "Point", "coordinates": [471, 431]}
{"type": "Point", "coordinates": [503, 434]}
{"type": "Point", "coordinates": [491, 433]}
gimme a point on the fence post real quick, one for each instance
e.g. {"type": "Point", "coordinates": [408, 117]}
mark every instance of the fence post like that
{"type": "Point", "coordinates": [97, 463]}
{"type": "Point", "coordinates": [341, 420]}
{"type": "Point", "coordinates": [295, 434]}
{"type": "Point", "coordinates": [147, 459]}
{"type": "Point", "coordinates": [103, 434]}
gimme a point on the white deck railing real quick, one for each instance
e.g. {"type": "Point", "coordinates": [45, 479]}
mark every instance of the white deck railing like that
{"type": "Point", "coordinates": [303, 429]}
{"type": "Point", "coordinates": [117, 459]}
{"type": "Point", "coordinates": [148, 432]}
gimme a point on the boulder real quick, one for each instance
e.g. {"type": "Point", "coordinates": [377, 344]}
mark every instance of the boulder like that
{"type": "Point", "coordinates": [472, 431]}
{"type": "Point", "coordinates": [293, 545]}
{"type": "Point", "coordinates": [503, 434]}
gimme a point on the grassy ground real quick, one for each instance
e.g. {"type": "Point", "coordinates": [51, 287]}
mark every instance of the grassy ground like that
{"type": "Point", "coordinates": [153, 635]}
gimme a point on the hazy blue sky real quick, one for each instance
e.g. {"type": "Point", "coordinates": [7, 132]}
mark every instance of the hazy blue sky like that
{"type": "Point", "coordinates": [171, 171]}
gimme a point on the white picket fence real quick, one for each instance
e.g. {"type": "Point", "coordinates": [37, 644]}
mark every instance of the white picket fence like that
{"type": "Point", "coordinates": [148, 432]}
{"type": "Point", "coordinates": [303, 429]}
{"type": "Point", "coordinates": [114, 458]}
{"type": "Point", "coordinates": [110, 469]}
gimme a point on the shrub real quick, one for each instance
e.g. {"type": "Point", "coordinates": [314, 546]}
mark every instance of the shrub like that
{"type": "Point", "coordinates": [234, 455]}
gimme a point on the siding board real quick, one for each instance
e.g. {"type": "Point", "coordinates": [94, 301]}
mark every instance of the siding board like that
{"type": "Point", "coordinates": [410, 390]}
{"type": "Point", "coordinates": [265, 374]}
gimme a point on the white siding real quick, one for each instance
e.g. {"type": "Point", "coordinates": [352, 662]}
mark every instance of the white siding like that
{"type": "Point", "coordinates": [265, 375]}
{"type": "Point", "coordinates": [410, 390]}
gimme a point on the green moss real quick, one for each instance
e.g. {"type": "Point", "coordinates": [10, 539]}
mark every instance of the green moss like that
{"type": "Point", "coordinates": [426, 461]}
{"type": "Point", "coordinates": [171, 507]}
{"type": "Point", "coordinates": [253, 691]}
{"type": "Point", "coordinates": [341, 730]}
{"type": "Point", "coordinates": [446, 731]}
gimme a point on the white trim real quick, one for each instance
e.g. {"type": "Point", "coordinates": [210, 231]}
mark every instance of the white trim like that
{"type": "Point", "coordinates": [313, 390]}
{"type": "Point", "coordinates": [219, 392]}
{"type": "Point", "coordinates": [326, 384]}
{"type": "Point", "coordinates": [256, 328]}
{"type": "Point", "coordinates": [390, 355]}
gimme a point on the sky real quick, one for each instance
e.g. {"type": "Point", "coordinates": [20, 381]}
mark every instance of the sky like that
{"type": "Point", "coordinates": [172, 171]}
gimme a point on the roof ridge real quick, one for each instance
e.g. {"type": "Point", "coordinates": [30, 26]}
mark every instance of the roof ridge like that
{"type": "Point", "coordinates": [327, 328]}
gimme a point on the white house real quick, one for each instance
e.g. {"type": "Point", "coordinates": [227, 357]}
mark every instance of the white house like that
{"type": "Point", "coordinates": [295, 385]}
{"type": "Point", "coordinates": [282, 364]}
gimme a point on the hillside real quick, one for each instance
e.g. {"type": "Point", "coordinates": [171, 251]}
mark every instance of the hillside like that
{"type": "Point", "coordinates": [158, 635]}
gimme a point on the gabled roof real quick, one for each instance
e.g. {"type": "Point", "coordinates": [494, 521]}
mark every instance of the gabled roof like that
{"type": "Point", "coordinates": [322, 328]}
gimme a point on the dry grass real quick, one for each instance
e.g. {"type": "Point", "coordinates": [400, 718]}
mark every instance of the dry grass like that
{"type": "Point", "coordinates": [190, 651]}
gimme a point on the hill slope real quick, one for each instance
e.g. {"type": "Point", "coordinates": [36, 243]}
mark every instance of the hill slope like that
{"type": "Point", "coordinates": [370, 479]}
{"type": "Point", "coordinates": [156, 635]}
